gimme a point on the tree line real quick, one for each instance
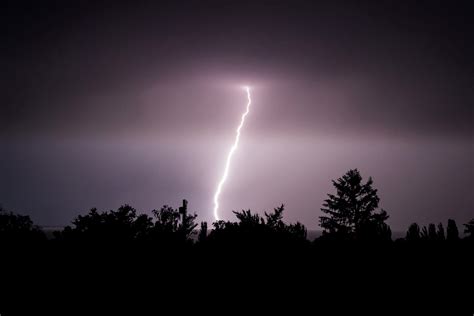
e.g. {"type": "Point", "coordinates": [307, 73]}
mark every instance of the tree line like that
{"type": "Point", "coordinates": [351, 214]}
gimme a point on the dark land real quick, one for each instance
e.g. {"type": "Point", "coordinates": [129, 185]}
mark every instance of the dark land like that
{"type": "Point", "coordinates": [122, 257]}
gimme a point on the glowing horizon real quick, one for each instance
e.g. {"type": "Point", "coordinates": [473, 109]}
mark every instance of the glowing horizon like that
{"type": "Point", "coordinates": [231, 153]}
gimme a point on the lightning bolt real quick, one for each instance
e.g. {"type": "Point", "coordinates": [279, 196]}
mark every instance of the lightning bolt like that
{"type": "Point", "coordinates": [231, 153]}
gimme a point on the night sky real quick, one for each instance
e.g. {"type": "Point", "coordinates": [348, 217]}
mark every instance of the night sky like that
{"type": "Point", "coordinates": [106, 103]}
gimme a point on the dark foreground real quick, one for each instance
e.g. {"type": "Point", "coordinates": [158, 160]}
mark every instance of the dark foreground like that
{"type": "Point", "coordinates": [333, 277]}
{"type": "Point", "coordinates": [123, 262]}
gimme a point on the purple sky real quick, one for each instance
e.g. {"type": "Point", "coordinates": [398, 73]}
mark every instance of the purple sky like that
{"type": "Point", "coordinates": [105, 105]}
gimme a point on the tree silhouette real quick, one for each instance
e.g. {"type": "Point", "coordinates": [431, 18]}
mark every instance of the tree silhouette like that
{"type": "Point", "coordinates": [432, 235]}
{"type": "Point", "coordinates": [254, 230]}
{"type": "Point", "coordinates": [274, 222]}
{"type": "Point", "coordinates": [413, 233]}
{"type": "Point", "coordinates": [469, 230]}
{"type": "Point", "coordinates": [424, 233]}
{"type": "Point", "coordinates": [351, 212]}
{"type": "Point", "coordinates": [428, 232]}
{"type": "Point", "coordinates": [452, 232]}
{"type": "Point", "coordinates": [440, 233]}
{"type": "Point", "coordinates": [14, 227]}
{"type": "Point", "coordinates": [117, 226]}
{"type": "Point", "coordinates": [203, 232]}
{"type": "Point", "coordinates": [173, 226]}
{"type": "Point", "coordinates": [124, 225]}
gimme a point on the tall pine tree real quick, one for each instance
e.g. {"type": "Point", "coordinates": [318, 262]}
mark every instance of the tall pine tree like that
{"type": "Point", "coordinates": [352, 212]}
